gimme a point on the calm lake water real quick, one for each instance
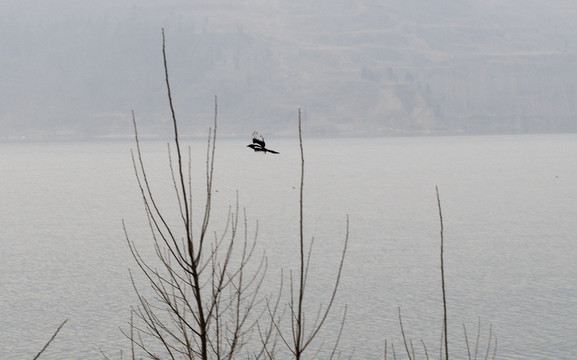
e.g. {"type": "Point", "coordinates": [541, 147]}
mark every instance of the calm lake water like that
{"type": "Point", "coordinates": [510, 214]}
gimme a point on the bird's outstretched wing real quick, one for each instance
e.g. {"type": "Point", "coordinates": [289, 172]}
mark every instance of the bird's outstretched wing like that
{"type": "Point", "coordinates": [258, 139]}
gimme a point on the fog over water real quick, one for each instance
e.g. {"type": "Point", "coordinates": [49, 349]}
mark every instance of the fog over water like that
{"type": "Point", "coordinates": [74, 70]}
{"type": "Point", "coordinates": [476, 97]}
{"type": "Point", "coordinates": [509, 205]}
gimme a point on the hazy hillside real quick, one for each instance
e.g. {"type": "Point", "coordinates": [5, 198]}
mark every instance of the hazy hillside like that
{"type": "Point", "coordinates": [357, 67]}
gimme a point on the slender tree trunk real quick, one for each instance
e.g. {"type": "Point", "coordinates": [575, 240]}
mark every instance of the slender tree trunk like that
{"type": "Point", "coordinates": [443, 279]}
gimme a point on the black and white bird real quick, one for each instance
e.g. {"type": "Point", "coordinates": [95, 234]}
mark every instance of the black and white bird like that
{"type": "Point", "coordinates": [258, 144]}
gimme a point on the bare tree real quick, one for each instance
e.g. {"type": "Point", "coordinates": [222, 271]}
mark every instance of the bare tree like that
{"type": "Point", "coordinates": [204, 304]}
{"type": "Point", "coordinates": [202, 301]}
{"type": "Point", "coordinates": [302, 334]}
{"type": "Point", "coordinates": [444, 347]}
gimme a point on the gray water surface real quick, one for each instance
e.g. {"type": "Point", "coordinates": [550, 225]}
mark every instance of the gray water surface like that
{"type": "Point", "coordinates": [509, 205]}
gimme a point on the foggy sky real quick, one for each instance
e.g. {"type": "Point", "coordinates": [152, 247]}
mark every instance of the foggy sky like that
{"type": "Point", "coordinates": [71, 69]}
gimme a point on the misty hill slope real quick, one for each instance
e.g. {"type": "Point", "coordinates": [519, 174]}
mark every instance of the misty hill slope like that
{"type": "Point", "coordinates": [354, 67]}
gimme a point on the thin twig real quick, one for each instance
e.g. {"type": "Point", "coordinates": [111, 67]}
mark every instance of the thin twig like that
{"type": "Point", "coordinates": [495, 349]}
{"type": "Point", "coordinates": [443, 279]}
{"type": "Point", "coordinates": [489, 342]}
{"type": "Point", "coordinates": [467, 342]}
{"type": "Point", "coordinates": [403, 333]}
{"type": "Point", "coordinates": [478, 337]}
{"type": "Point", "coordinates": [52, 338]}
{"type": "Point", "coordinates": [425, 349]}
{"type": "Point", "coordinates": [299, 321]}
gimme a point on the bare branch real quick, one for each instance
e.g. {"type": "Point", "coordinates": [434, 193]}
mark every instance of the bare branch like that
{"type": "Point", "coordinates": [443, 279]}
{"type": "Point", "coordinates": [403, 333]}
{"type": "Point", "coordinates": [203, 298]}
{"type": "Point", "coordinates": [51, 339]}
{"type": "Point", "coordinates": [300, 339]}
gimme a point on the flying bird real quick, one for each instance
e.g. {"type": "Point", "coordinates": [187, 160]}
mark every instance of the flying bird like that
{"type": "Point", "coordinates": [258, 144]}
